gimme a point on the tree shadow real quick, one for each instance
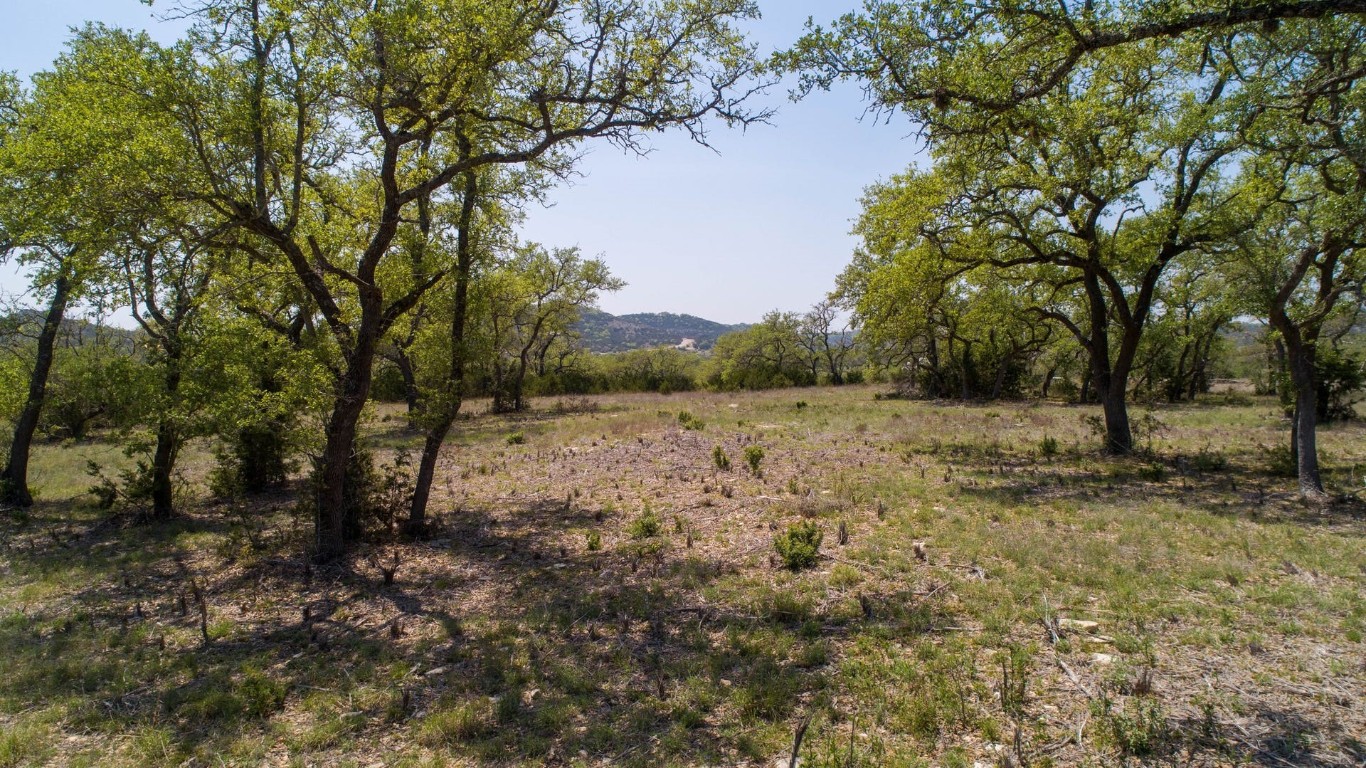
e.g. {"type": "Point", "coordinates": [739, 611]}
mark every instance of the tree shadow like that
{"type": "Point", "coordinates": [496, 641]}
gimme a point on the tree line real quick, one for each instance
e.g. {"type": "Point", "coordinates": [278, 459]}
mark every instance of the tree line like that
{"type": "Point", "coordinates": [293, 191]}
{"type": "Point", "coordinates": [296, 197]}
{"type": "Point", "coordinates": [1111, 173]}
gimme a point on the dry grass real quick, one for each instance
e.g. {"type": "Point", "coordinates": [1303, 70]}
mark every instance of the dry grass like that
{"type": "Point", "coordinates": [1229, 616]}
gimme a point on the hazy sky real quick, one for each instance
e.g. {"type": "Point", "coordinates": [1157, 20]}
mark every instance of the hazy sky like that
{"type": "Point", "coordinates": [761, 222]}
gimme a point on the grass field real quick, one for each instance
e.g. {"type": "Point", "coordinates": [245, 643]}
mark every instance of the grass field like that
{"type": "Point", "coordinates": [989, 591]}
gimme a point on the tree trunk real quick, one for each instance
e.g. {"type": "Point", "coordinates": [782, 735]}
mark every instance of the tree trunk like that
{"type": "Point", "coordinates": [426, 472]}
{"type": "Point", "coordinates": [1304, 421]}
{"type": "Point", "coordinates": [163, 464]}
{"type": "Point", "coordinates": [14, 482]}
{"type": "Point", "coordinates": [168, 441]}
{"type": "Point", "coordinates": [455, 378]}
{"type": "Point", "coordinates": [335, 523]}
{"type": "Point", "coordinates": [1119, 439]}
{"type": "Point", "coordinates": [410, 392]}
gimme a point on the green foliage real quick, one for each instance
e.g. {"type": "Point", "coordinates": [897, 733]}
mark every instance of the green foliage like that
{"type": "Point", "coordinates": [690, 422]}
{"type": "Point", "coordinates": [799, 546]}
{"type": "Point", "coordinates": [451, 725]}
{"type": "Point", "coordinates": [594, 541]}
{"type": "Point", "coordinates": [648, 525]}
{"type": "Point", "coordinates": [1048, 446]}
{"type": "Point", "coordinates": [1137, 728]}
{"type": "Point", "coordinates": [754, 455]}
{"type": "Point", "coordinates": [1340, 377]}
{"type": "Point", "coordinates": [1014, 663]}
{"type": "Point", "coordinates": [100, 383]}
{"type": "Point", "coordinates": [516, 438]}
{"type": "Point", "coordinates": [719, 458]}
{"type": "Point", "coordinates": [768, 355]}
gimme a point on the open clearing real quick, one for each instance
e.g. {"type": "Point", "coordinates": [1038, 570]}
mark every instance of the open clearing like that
{"type": "Point", "coordinates": [598, 591]}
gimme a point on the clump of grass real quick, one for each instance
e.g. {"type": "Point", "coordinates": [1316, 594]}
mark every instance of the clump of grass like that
{"type": "Point", "coordinates": [719, 457]}
{"type": "Point", "coordinates": [754, 455]}
{"type": "Point", "coordinates": [799, 546]}
{"type": "Point", "coordinates": [689, 421]}
{"type": "Point", "coordinates": [594, 541]}
{"type": "Point", "coordinates": [516, 438]}
{"type": "Point", "coordinates": [462, 722]}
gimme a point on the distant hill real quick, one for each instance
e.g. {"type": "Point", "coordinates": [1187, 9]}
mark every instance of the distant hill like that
{"type": "Point", "coordinates": [603, 332]}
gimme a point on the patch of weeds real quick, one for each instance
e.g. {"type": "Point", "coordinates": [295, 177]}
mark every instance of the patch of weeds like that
{"type": "Point", "coordinates": [594, 541]}
{"type": "Point", "coordinates": [1208, 460]}
{"type": "Point", "coordinates": [1280, 462]}
{"type": "Point", "coordinates": [516, 438]}
{"type": "Point", "coordinates": [1138, 728]}
{"type": "Point", "coordinates": [689, 421]}
{"type": "Point", "coordinates": [1014, 662]}
{"type": "Point", "coordinates": [261, 696]}
{"type": "Point", "coordinates": [719, 457]}
{"type": "Point", "coordinates": [1048, 446]}
{"type": "Point", "coordinates": [770, 692]}
{"type": "Point", "coordinates": [799, 546]}
{"type": "Point", "coordinates": [1152, 472]}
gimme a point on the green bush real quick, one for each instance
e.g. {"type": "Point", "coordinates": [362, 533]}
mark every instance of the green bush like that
{"type": "Point", "coordinates": [646, 526]}
{"type": "Point", "coordinates": [718, 455]}
{"type": "Point", "coordinates": [754, 454]}
{"type": "Point", "coordinates": [799, 546]}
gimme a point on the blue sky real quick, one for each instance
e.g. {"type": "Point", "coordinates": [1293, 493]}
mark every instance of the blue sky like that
{"type": "Point", "coordinates": [760, 222]}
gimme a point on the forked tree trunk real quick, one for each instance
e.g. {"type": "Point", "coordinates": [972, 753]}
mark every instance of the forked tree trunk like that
{"type": "Point", "coordinates": [14, 481]}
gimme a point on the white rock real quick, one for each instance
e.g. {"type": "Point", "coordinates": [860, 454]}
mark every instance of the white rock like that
{"type": "Point", "coordinates": [1078, 625]}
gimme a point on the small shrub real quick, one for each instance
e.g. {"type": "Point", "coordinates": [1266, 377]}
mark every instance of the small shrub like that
{"type": "Point", "coordinates": [799, 546]}
{"type": "Point", "coordinates": [516, 438]}
{"type": "Point", "coordinates": [718, 455]}
{"type": "Point", "coordinates": [689, 421]}
{"type": "Point", "coordinates": [1048, 446]}
{"type": "Point", "coordinates": [754, 454]}
{"type": "Point", "coordinates": [801, 404]}
{"type": "Point", "coordinates": [594, 541]}
{"type": "Point", "coordinates": [646, 526]}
